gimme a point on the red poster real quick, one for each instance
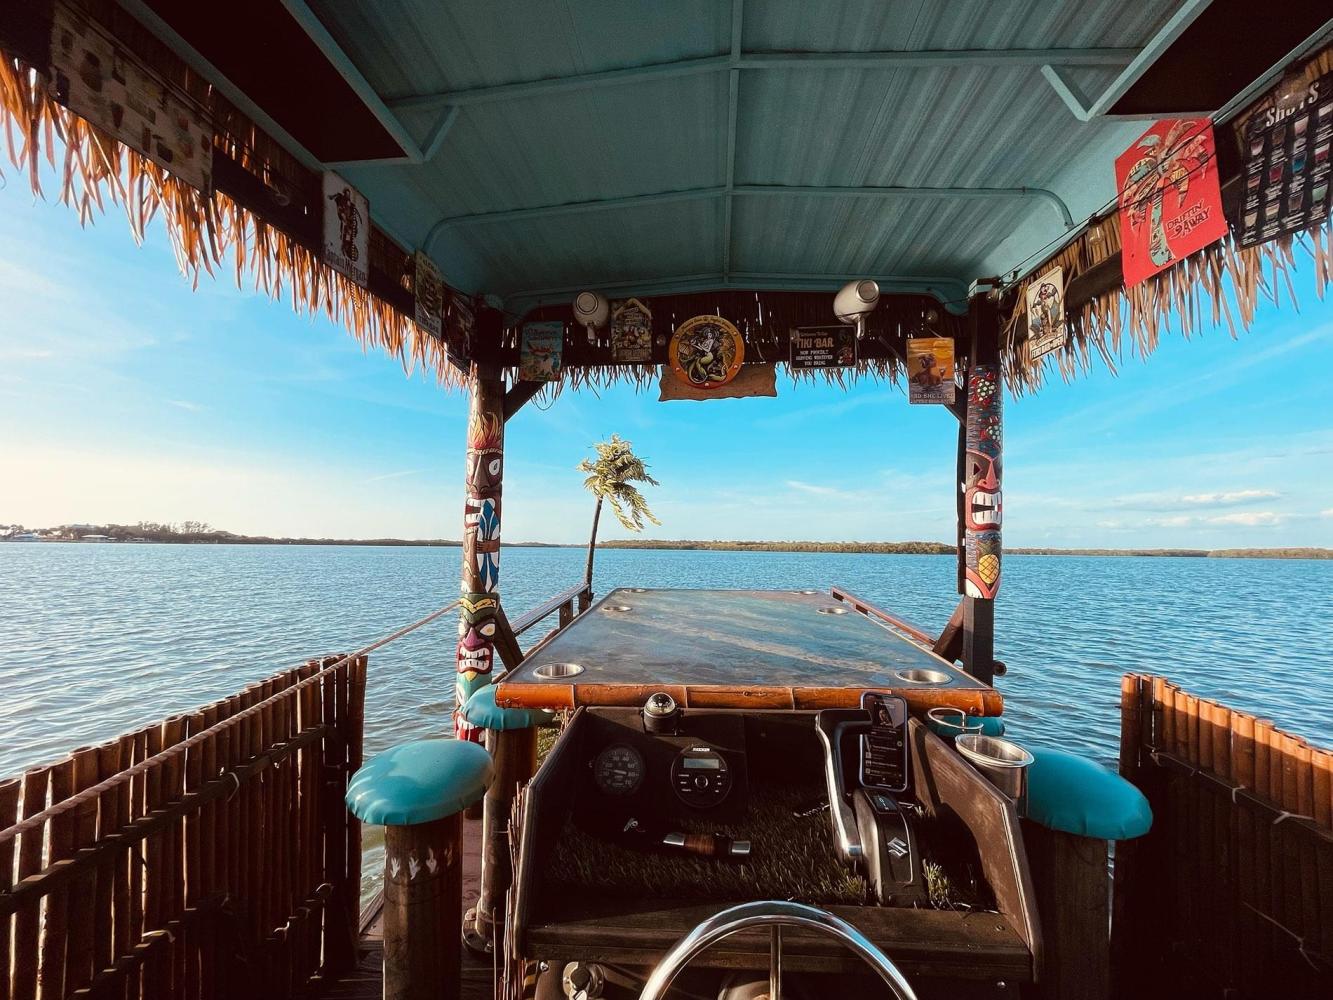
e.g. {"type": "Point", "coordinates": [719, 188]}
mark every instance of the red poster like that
{"type": "Point", "coordinates": [1170, 198]}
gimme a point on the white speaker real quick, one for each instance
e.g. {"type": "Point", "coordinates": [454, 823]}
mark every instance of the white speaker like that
{"type": "Point", "coordinates": [854, 302]}
{"type": "Point", "coordinates": [592, 310]}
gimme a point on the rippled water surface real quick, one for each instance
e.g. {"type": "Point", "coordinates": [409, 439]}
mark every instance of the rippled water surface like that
{"type": "Point", "coordinates": [98, 639]}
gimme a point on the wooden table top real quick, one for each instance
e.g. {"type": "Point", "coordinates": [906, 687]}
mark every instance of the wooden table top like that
{"type": "Point", "coordinates": [735, 649]}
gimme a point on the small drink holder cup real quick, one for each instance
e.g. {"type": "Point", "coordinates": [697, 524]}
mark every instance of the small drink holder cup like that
{"type": "Point", "coordinates": [951, 722]}
{"type": "Point", "coordinates": [1003, 762]}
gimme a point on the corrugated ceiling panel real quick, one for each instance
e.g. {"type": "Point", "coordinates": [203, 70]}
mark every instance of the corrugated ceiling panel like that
{"type": "Point", "coordinates": [973, 126]}
{"type": "Point", "coordinates": [407, 47]}
{"type": "Point", "coordinates": [635, 244]}
{"type": "Point", "coordinates": [658, 135]}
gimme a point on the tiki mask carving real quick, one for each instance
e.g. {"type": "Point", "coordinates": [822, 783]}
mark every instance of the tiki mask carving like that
{"type": "Point", "coordinates": [485, 456]}
{"type": "Point", "coordinates": [983, 505]}
{"type": "Point", "coordinates": [476, 635]}
{"type": "Point", "coordinates": [983, 508]}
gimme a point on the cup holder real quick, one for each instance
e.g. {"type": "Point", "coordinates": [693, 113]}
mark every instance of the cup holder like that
{"type": "Point", "coordinates": [922, 675]}
{"type": "Point", "coordinates": [832, 610]}
{"type": "Point", "coordinates": [619, 608]}
{"type": "Point", "coordinates": [555, 671]}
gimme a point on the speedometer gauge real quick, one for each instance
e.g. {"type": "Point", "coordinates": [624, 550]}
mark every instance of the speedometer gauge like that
{"type": "Point", "coordinates": [618, 770]}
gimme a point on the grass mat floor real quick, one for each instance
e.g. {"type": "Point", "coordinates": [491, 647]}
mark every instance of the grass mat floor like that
{"type": "Point", "coordinates": [791, 857]}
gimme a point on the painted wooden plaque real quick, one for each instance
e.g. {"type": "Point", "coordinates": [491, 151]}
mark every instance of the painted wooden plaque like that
{"type": "Point", "coordinates": [540, 351]}
{"type": "Point", "coordinates": [631, 332]}
{"type": "Point", "coordinates": [930, 370]}
{"type": "Point", "coordinates": [346, 229]}
{"type": "Point", "coordinates": [706, 352]}
{"type": "Point", "coordinates": [1170, 198]}
{"type": "Point", "coordinates": [1046, 313]}
{"type": "Point", "coordinates": [105, 85]}
{"type": "Point", "coordinates": [428, 288]}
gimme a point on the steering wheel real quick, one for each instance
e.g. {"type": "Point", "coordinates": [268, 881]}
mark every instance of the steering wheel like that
{"type": "Point", "coordinates": [775, 914]}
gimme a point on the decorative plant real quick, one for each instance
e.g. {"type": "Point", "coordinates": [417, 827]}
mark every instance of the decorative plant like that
{"type": "Point", "coordinates": [611, 476]}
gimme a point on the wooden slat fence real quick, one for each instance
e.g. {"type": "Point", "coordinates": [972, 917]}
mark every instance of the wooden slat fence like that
{"type": "Point", "coordinates": [1231, 893]}
{"type": "Point", "coordinates": [227, 868]}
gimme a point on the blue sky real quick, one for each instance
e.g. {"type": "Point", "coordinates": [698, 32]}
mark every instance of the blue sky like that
{"type": "Point", "coordinates": [124, 396]}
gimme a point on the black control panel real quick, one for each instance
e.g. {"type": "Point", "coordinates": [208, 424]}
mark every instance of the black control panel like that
{"type": "Point", "coordinates": [701, 777]}
{"type": "Point", "coordinates": [700, 766]}
{"type": "Point", "coordinates": [884, 747]}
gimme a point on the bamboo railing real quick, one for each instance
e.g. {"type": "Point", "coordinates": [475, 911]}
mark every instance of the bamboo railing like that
{"type": "Point", "coordinates": [1231, 893]}
{"type": "Point", "coordinates": [206, 856]}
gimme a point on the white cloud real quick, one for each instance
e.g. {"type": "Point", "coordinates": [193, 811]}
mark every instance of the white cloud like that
{"type": "Point", "coordinates": [819, 491]}
{"type": "Point", "coordinates": [1326, 513]}
{"type": "Point", "coordinates": [185, 404]}
{"type": "Point", "coordinates": [1249, 519]}
{"type": "Point", "coordinates": [1231, 497]}
{"type": "Point", "coordinates": [393, 475]}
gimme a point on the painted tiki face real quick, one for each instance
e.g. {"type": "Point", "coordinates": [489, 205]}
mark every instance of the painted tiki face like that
{"type": "Point", "coordinates": [485, 457]}
{"type": "Point", "coordinates": [983, 508]}
{"type": "Point", "coordinates": [476, 635]}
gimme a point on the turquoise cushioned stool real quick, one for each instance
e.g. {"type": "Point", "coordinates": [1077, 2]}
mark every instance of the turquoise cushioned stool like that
{"type": "Point", "coordinates": [418, 792]}
{"type": "Point", "coordinates": [481, 710]}
{"type": "Point", "coordinates": [1076, 795]}
{"type": "Point", "coordinates": [419, 782]}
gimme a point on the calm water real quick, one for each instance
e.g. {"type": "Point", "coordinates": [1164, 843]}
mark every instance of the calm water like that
{"type": "Point", "coordinates": [98, 639]}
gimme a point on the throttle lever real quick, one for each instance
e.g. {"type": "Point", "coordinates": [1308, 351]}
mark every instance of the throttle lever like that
{"type": "Point", "coordinates": [831, 724]}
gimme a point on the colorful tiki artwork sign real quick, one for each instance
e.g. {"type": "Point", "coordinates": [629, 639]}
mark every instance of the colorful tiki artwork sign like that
{"type": "Point", "coordinates": [983, 509]}
{"type": "Point", "coordinates": [1170, 198]}
{"type": "Point", "coordinates": [428, 290]}
{"type": "Point", "coordinates": [706, 352]}
{"type": "Point", "coordinates": [1046, 314]}
{"type": "Point", "coordinates": [459, 323]}
{"type": "Point", "coordinates": [475, 656]}
{"type": "Point", "coordinates": [930, 370]}
{"type": "Point", "coordinates": [540, 350]}
{"type": "Point", "coordinates": [346, 229]}
{"type": "Point", "coordinates": [105, 85]}
{"type": "Point", "coordinates": [832, 346]}
{"type": "Point", "coordinates": [631, 333]}
{"type": "Point", "coordinates": [1287, 167]}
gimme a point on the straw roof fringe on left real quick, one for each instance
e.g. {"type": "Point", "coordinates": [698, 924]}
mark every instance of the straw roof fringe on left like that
{"type": "Point", "coordinates": [207, 232]}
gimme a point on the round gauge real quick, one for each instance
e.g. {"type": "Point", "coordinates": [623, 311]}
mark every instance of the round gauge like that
{"type": "Point", "coordinates": [618, 770]}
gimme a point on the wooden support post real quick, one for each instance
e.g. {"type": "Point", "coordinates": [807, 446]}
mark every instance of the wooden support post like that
{"type": "Point", "coordinates": [475, 653]}
{"type": "Point", "coordinates": [515, 755]}
{"type": "Point", "coordinates": [422, 909]}
{"type": "Point", "coordinates": [979, 460]}
{"type": "Point", "coordinates": [1073, 891]}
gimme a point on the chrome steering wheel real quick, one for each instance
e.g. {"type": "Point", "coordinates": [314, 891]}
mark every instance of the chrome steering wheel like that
{"type": "Point", "coordinates": [775, 915]}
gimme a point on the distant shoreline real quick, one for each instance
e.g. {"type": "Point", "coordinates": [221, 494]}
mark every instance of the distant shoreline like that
{"type": "Point", "coordinates": [837, 548]}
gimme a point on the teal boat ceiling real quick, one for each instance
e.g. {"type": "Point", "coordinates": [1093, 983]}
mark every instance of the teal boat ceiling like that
{"type": "Point", "coordinates": [637, 145]}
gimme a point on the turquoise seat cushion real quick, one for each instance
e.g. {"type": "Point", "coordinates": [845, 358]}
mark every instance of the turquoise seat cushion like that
{"type": "Point", "coordinates": [1076, 795]}
{"type": "Point", "coordinates": [419, 782]}
{"type": "Point", "coordinates": [991, 725]}
{"type": "Point", "coordinates": [481, 710]}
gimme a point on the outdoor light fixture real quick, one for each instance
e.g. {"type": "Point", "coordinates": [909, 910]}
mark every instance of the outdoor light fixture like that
{"type": "Point", "coordinates": [592, 310]}
{"type": "Point", "coordinates": [854, 302]}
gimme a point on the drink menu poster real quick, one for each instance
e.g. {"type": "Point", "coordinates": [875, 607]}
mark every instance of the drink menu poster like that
{"type": "Point", "coordinates": [1287, 167]}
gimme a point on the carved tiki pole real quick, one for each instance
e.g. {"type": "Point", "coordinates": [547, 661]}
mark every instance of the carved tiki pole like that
{"type": "Point", "coordinates": [481, 545]}
{"type": "Point", "coordinates": [982, 506]}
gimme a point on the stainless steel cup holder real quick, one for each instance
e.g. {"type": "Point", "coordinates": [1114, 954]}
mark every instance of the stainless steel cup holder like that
{"type": "Point", "coordinates": [922, 675]}
{"type": "Point", "coordinates": [832, 610]}
{"type": "Point", "coordinates": [555, 671]}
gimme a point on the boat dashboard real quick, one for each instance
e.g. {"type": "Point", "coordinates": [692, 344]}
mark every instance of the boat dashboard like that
{"type": "Point", "coordinates": [643, 821]}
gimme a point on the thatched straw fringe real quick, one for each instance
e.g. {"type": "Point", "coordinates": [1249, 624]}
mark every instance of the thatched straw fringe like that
{"type": "Point", "coordinates": [204, 230]}
{"type": "Point", "coordinates": [1198, 292]}
{"type": "Point", "coordinates": [1222, 274]}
